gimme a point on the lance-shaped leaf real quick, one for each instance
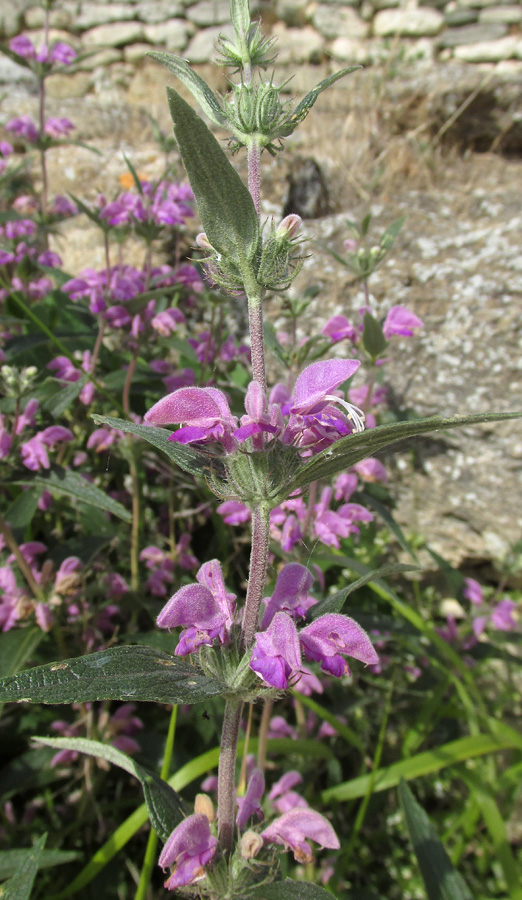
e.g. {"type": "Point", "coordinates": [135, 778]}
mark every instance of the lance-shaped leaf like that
{"type": "Point", "coordinates": [119, 673]}
{"type": "Point", "coordinates": [441, 880]}
{"type": "Point", "coordinates": [194, 83]}
{"type": "Point", "coordinates": [225, 206]}
{"type": "Point", "coordinates": [186, 458]}
{"type": "Point", "coordinates": [71, 484]}
{"type": "Point", "coordinates": [291, 890]}
{"type": "Point", "coordinates": [11, 860]}
{"type": "Point", "coordinates": [240, 17]}
{"type": "Point", "coordinates": [303, 108]}
{"type": "Point", "coordinates": [19, 887]}
{"type": "Point", "coordinates": [352, 449]}
{"type": "Point", "coordinates": [164, 805]}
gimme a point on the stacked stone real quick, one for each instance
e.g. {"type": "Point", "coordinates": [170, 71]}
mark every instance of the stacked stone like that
{"type": "Point", "coordinates": [309, 31]}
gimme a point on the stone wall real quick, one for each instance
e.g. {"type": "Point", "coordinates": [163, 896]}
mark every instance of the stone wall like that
{"type": "Point", "coordinates": [361, 31]}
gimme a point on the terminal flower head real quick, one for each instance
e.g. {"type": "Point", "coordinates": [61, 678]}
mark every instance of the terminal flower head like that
{"type": "Point", "coordinates": [190, 848]}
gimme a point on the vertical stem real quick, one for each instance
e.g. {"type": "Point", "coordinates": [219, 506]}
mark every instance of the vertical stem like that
{"type": "Point", "coordinates": [226, 773]}
{"type": "Point", "coordinates": [254, 174]}
{"type": "Point", "coordinates": [241, 785]}
{"type": "Point", "coordinates": [135, 529]}
{"type": "Point", "coordinates": [128, 381]}
{"type": "Point", "coordinates": [23, 565]}
{"type": "Point", "coordinates": [257, 574]}
{"type": "Point", "coordinates": [263, 731]}
{"type": "Point", "coordinates": [149, 860]}
{"type": "Point", "coordinates": [257, 345]}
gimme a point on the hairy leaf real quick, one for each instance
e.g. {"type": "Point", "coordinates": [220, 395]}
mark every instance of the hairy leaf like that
{"type": "Point", "coordinates": [119, 673]}
{"type": "Point", "coordinates": [303, 108]}
{"type": "Point", "coordinates": [291, 890]}
{"type": "Point", "coordinates": [335, 602]}
{"type": "Point", "coordinates": [225, 206]}
{"type": "Point", "coordinates": [194, 83]}
{"type": "Point", "coordinates": [11, 860]}
{"type": "Point", "coordinates": [71, 484]}
{"type": "Point", "coordinates": [19, 887]}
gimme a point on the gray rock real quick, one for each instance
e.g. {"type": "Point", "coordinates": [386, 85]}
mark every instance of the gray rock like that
{"type": "Point", "coordinates": [333, 22]}
{"type": "Point", "coordinates": [91, 16]}
{"type": "Point", "coordinates": [34, 17]}
{"type": "Point", "coordinates": [209, 12]}
{"type": "Point", "coordinates": [174, 35]}
{"type": "Point", "coordinates": [292, 12]}
{"type": "Point", "coordinates": [202, 46]}
{"type": "Point", "coordinates": [153, 11]}
{"type": "Point", "coordinates": [459, 16]}
{"type": "Point", "coordinates": [103, 58]}
{"type": "Point", "coordinates": [348, 50]}
{"type": "Point", "coordinates": [472, 34]}
{"type": "Point", "coordinates": [420, 22]}
{"type": "Point", "coordinates": [11, 72]}
{"type": "Point", "coordinates": [11, 12]}
{"type": "Point", "coordinates": [116, 34]}
{"type": "Point", "coordinates": [298, 45]}
{"type": "Point", "coordinates": [60, 87]}
{"type": "Point", "coordinates": [510, 15]}
{"type": "Point", "coordinates": [490, 51]}
{"type": "Point", "coordinates": [136, 53]}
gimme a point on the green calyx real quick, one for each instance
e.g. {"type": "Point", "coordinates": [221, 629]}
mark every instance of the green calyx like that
{"type": "Point", "coordinates": [261, 477]}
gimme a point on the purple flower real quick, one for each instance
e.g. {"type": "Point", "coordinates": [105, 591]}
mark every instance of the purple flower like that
{"type": "Point", "coordinates": [58, 126]}
{"type": "Point", "coordinates": [292, 829]}
{"type": "Point", "coordinates": [345, 485]}
{"type": "Point", "coordinates": [22, 46]}
{"type": "Point", "coordinates": [400, 321]}
{"type": "Point", "coordinates": [204, 410]}
{"type": "Point", "coordinates": [24, 127]}
{"type": "Point", "coordinates": [234, 513]}
{"type": "Point", "coordinates": [206, 610]}
{"type": "Point", "coordinates": [473, 592]}
{"type": "Point", "coordinates": [291, 594]}
{"type": "Point", "coordinates": [249, 805]}
{"type": "Point", "coordinates": [339, 328]}
{"type": "Point", "coordinates": [333, 636]}
{"type": "Point", "coordinates": [188, 850]}
{"type": "Point", "coordinates": [371, 470]}
{"type": "Point", "coordinates": [64, 369]}
{"type": "Point", "coordinates": [166, 322]}
{"type": "Point", "coordinates": [276, 657]}
{"type": "Point", "coordinates": [62, 54]}
{"type": "Point", "coordinates": [62, 206]}
{"type": "Point", "coordinates": [502, 615]}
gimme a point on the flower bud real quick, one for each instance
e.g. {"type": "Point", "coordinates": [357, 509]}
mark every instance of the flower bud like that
{"type": "Point", "coordinates": [203, 241]}
{"type": "Point", "coordinates": [268, 107]}
{"type": "Point", "coordinates": [288, 227]}
{"type": "Point", "coordinates": [251, 844]}
{"type": "Point", "coordinates": [203, 806]}
{"type": "Point", "coordinates": [246, 108]}
{"type": "Point", "coordinates": [350, 245]}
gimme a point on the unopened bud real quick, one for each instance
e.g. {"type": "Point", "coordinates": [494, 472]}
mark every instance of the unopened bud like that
{"type": "Point", "coordinates": [350, 245]}
{"type": "Point", "coordinates": [288, 226]}
{"type": "Point", "coordinates": [203, 241]}
{"type": "Point", "coordinates": [251, 844]}
{"type": "Point", "coordinates": [203, 806]}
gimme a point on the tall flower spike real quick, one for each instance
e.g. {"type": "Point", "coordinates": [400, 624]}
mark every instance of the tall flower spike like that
{"type": "Point", "coordinates": [188, 850]}
{"type": "Point", "coordinates": [333, 636]}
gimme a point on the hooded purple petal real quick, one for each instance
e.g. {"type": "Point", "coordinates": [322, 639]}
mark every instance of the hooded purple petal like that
{"type": "Point", "coordinates": [333, 636]}
{"type": "Point", "coordinates": [249, 805]}
{"type": "Point", "coordinates": [276, 657]}
{"type": "Point", "coordinates": [290, 593]}
{"type": "Point", "coordinates": [318, 380]}
{"type": "Point", "coordinates": [190, 405]}
{"type": "Point", "coordinates": [293, 827]}
{"type": "Point", "coordinates": [188, 850]}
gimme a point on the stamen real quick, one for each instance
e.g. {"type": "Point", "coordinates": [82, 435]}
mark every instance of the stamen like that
{"type": "Point", "coordinates": [353, 413]}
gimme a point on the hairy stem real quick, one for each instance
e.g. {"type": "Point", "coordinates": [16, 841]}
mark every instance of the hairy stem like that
{"type": "Point", "coordinates": [257, 573]}
{"type": "Point", "coordinates": [23, 565]}
{"type": "Point", "coordinates": [263, 733]}
{"type": "Point", "coordinates": [254, 174]}
{"type": "Point", "coordinates": [257, 345]}
{"type": "Point", "coordinates": [135, 530]}
{"type": "Point", "coordinates": [226, 773]}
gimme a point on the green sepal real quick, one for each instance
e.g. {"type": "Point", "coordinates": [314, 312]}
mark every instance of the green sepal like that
{"type": "Point", "coordinates": [71, 484]}
{"type": "Point", "coordinates": [441, 880]}
{"type": "Point", "coordinates": [303, 108]}
{"type": "Point", "coordinates": [19, 887]}
{"type": "Point", "coordinates": [186, 458]}
{"type": "Point", "coordinates": [291, 890]}
{"type": "Point", "coordinates": [194, 83]}
{"type": "Point", "coordinates": [354, 447]}
{"type": "Point", "coordinates": [225, 206]}
{"type": "Point", "coordinates": [119, 673]}
{"type": "Point", "coordinates": [373, 339]}
{"type": "Point", "coordinates": [164, 805]}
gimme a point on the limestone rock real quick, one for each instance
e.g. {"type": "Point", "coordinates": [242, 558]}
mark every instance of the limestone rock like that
{"type": "Point", "coordinates": [202, 46]}
{"type": "Point", "coordinates": [293, 12]}
{"type": "Point", "coordinates": [333, 22]}
{"type": "Point", "coordinates": [510, 15]}
{"type": "Point", "coordinates": [420, 22]}
{"type": "Point", "coordinates": [298, 45]}
{"type": "Point", "coordinates": [490, 51]}
{"type": "Point", "coordinates": [472, 34]}
{"type": "Point", "coordinates": [115, 34]}
{"type": "Point", "coordinates": [34, 17]}
{"type": "Point", "coordinates": [174, 35]}
{"type": "Point", "coordinates": [11, 17]}
{"type": "Point", "coordinates": [102, 58]}
{"type": "Point", "coordinates": [209, 12]}
{"type": "Point", "coordinates": [91, 15]}
{"type": "Point", "coordinates": [460, 16]}
{"type": "Point", "coordinates": [11, 72]}
{"type": "Point", "coordinates": [74, 84]}
{"type": "Point", "coordinates": [154, 11]}
{"type": "Point", "coordinates": [136, 53]}
{"type": "Point", "coordinates": [348, 50]}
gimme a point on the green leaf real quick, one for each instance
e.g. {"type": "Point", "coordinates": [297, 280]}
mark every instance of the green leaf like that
{"type": "Point", "coordinates": [194, 83]}
{"type": "Point", "coordinates": [64, 396]}
{"type": "Point", "coordinates": [119, 673]}
{"type": "Point", "coordinates": [21, 511]}
{"type": "Point", "coordinates": [19, 887]}
{"type": "Point", "coordinates": [385, 514]}
{"type": "Point", "coordinates": [163, 803]}
{"type": "Point", "coordinates": [373, 338]}
{"type": "Point", "coordinates": [225, 206]}
{"type": "Point", "coordinates": [291, 890]}
{"type": "Point", "coordinates": [135, 176]}
{"type": "Point", "coordinates": [186, 458]}
{"type": "Point", "coordinates": [16, 646]}
{"type": "Point", "coordinates": [240, 17]}
{"type": "Point", "coordinates": [426, 763]}
{"type": "Point", "coordinates": [71, 484]}
{"type": "Point", "coordinates": [441, 880]}
{"type": "Point", "coordinates": [301, 111]}
{"type": "Point", "coordinates": [355, 447]}
{"type": "Point", "coordinates": [335, 602]}
{"type": "Point", "coordinates": [11, 860]}
{"type": "Point", "coordinates": [389, 237]}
